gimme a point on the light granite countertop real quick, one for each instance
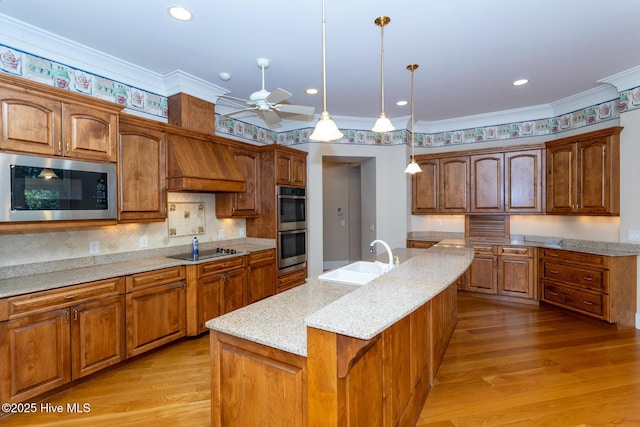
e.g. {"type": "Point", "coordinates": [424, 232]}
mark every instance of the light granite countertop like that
{"type": "Point", "coordinates": [585, 246]}
{"type": "Point", "coordinates": [362, 312]}
{"type": "Point", "coordinates": [32, 279]}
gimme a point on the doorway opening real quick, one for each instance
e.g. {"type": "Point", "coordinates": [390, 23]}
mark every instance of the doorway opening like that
{"type": "Point", "coordinates": [349, 209]}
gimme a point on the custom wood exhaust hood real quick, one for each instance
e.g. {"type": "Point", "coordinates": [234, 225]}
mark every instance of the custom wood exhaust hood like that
{"type": "Point", "coordinates": [201, 165]}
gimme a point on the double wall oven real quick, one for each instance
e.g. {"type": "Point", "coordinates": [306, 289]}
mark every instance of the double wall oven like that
{"type": "Point", "coordinates": [292, 228]}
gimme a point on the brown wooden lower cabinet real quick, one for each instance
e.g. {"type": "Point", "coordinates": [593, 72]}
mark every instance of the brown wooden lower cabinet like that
{"type": "Point", "coordinates": [291, 279]}
{"type": "Point", "coordinates": [343, 381]}
{"type": "Point", "coordinates": [156, 309]}
{"type": "Point", "coordinates": [53, 337]}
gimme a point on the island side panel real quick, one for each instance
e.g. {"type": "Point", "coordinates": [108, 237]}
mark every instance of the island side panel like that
{"type": "Point", "coordinates": [256, 385]}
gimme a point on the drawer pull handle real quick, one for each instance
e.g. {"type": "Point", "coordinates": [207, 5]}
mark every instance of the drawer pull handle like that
{"type": "Point", "coordinates": [555, 255]}
{"type": "Point", "coordinates": [587, 302]}
{"type": "Point", "coordinates": [72, 296]}
{"type": "Point", "coordinates": [555, 294]}
{"type": "Point", "coordinates": [588, 278]}
{"type": "Point", "coordinates": [553, 271]}
{"type": "Point", "coordinates": [158, 277]}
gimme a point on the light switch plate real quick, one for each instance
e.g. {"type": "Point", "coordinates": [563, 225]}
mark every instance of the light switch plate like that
{"type": "Point", "coordinates": [94, 247]}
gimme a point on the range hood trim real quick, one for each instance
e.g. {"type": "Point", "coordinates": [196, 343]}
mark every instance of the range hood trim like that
{"type": "Point", "coordinates": [201, 165]}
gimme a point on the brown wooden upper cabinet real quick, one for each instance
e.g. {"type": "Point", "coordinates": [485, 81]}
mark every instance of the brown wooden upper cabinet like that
{"type": "Point", "coordinates": [141, 184]}
{"type": "Point", "coordinates": [40, 119]}
{"type": "Point", "coordinates": [523, 185]}
{"type": "Point", "coordinates": [291, 169]}
{"type": "Point", "coordinates": [583, 174]}
{"type": "Point", "coordinates": [454, 184]}
{"type": "Point", "coordinates": [482, 181]}
{"type": "Point", "coordinates": [246, 204]}
{"type": "Point", "coordinates": [487, 182]}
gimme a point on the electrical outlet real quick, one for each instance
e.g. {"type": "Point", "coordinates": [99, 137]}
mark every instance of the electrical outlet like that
{"type": "Point", "coordinates": [243, 232]}
{"type": "Point", "coordinates": [144, 242]}
{"type": "Point", "coordinates": [220, 233]}
{"type": "Point", "coordinates": [438, 223]}
{"type": "Point", "coordinates": [633, 235]}
{"type": "Point", "coordinates": [94, 247]}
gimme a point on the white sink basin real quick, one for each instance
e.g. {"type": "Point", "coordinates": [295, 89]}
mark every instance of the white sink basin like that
{"type": "Point", "coordinates": [357, 273]}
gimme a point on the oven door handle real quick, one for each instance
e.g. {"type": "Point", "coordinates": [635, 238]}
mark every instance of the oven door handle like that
{"type": "Point", "coordinates": [298, 231]}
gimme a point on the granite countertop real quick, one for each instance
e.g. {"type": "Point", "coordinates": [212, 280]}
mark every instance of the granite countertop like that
{"type": "Point", "coordinates": [362, 312]}
{"type": "Point", "coordinates": [584, 246]}
{"type": "Point", "coordinates": [34, 280]}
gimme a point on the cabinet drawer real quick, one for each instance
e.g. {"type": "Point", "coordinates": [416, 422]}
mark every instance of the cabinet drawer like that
{"type": "Point", "coordinates": [515, 251]}
{"type": "Point", "coordinates": [577, 299]}
{"type": "Point", "coordinates": [268, 255]}
{"type": "Point", "coordinates": [575, 257]}
{"type": "Point", "coordinates": [64, 297]}
{"type": "Point", "coordinates": [485, 249]}
{"type": "Point", "coordinates": [291, 280]}
{"type": "Point", "coordinates": [221, 266]}
{"type": "Point", "coordinates": [154, 278]}
{"type": "Point", "coordinates": [587, 278]}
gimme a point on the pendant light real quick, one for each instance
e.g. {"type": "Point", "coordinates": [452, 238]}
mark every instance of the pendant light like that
{"type": "Point", "coordinates": [325, 130]}
{"type": "Point", "coordinates": [412, 167]}
{"type": "Point", "coordinates": [383, 124]}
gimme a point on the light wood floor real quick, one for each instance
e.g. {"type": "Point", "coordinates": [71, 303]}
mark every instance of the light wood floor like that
{"type": "Point", "coordinates": [507, 365]}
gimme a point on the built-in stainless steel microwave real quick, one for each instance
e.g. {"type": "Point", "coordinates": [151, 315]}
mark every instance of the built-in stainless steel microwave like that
{"type": "Point", "coordinates": [45, 188]}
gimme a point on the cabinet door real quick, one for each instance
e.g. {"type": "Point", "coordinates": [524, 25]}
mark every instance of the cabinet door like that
{"type": "Point", "coordinates": [89, 133]}
{"type": "Point", "coordinates": [424, 188]}
{"type": "Point", "coordinates": [483, 274]}
{"type": "Point", "coordinates": [523, 181]}
{"type": "Point", "coordinates": [245, 204]}
{"type": "Point", "coordinates": [261, 278]}
{"type": "Point", "coordinates": [291, 169]}
{"type": "Point", "coordinates": [30, 123]}
{"type": "Point", "coordinates": [562, 178]}
{"type": "Point", "coordinates": [155, 316]}
{"type": "Point", "coordinates": [454, 180]}
{"type": "Point", "coordinates": [209, 295]}
{"type": "Point", "coordinates": [516, 276]}
{"type": "Point", "coordinates": [487, 183]}
{"type": "Point", "coordinates": [298, 171]}
{"type": "Point", "coordinates": [594, 176]}
{"type": "Point", "coordinates": [141, 183]}
{"type": "Point", "coordinates": [38, 354]}
{"type": "Point", "coordinates": [97, 335]}
{"type": "Point", "coordinates": [233, 291]}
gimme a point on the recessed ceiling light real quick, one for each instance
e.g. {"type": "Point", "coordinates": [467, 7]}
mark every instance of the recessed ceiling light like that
{"type": "Point", "coordinates": [520, 82]}
{"type": "Point", "coordinates": [180, 13]}
{"type": "Point", "coordinates": [311, 91]}
{"type": "Point", "coordinates": [401, 103]}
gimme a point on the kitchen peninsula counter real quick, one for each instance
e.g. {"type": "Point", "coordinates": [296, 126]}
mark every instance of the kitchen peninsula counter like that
{"type": "Point", "coordinates": [323, 351]}
{"type": "Point", "coordinates": [356, 311]}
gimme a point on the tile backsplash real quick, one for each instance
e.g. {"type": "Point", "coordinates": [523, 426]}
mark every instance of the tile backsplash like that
{"type": "Point", "coordinates": [24, 248]}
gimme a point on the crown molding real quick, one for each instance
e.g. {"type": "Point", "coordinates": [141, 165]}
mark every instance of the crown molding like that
{"type": "Point", "coordinates": [624, 80]}
{"type": "Point", "coordinates": [177, 81]}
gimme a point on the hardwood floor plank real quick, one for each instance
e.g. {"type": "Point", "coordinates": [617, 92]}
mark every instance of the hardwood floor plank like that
{"type": "Point", "coordinates": [506, 365]}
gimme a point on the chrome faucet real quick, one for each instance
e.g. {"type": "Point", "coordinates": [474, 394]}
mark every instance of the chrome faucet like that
{"type": "Point", "coordinates": [383, 243]}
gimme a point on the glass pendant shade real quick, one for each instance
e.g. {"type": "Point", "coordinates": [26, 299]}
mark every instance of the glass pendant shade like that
{"type": "Point", "coordinates": [383, 124]}
{"type": "Point", "coordinates": [325, 130]}
{"type": "Point", "coordinates": [413, 167]}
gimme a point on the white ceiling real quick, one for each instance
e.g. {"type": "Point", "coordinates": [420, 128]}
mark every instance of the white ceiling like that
{"type": "Point", "coordinates": [469, 51]}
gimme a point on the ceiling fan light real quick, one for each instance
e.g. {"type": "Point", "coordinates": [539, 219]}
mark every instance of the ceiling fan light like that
{"type": "Point", "coordinates": [383, 124]}
{"type": "Point", "coordinates": [413, 167]}
{"type": "Point", "coordinates": [325, 130]}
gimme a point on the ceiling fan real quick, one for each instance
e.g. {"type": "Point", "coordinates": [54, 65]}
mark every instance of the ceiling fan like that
{"type": "Point", "coordinates": [269, 104]}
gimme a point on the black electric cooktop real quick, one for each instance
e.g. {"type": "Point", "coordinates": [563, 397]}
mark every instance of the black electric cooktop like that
{"type": "Point", "coordinates": [212, 253]}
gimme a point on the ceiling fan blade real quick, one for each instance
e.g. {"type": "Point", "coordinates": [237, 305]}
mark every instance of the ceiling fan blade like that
{"type": "Point", "coordinates": [270, 117]}
{"type": "Point", "coordinates": [239, 111]}
{"type": "Point", "coordinates": [303, 110]}
{"type": "Point", "coordinates": [278, 95]}
{"type": "Point", "coordinates": [233, 97]}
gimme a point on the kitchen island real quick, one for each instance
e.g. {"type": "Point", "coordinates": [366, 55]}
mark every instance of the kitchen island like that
{"type": "Point", "coordinates": [330, 354]}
